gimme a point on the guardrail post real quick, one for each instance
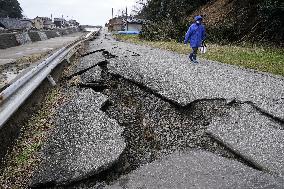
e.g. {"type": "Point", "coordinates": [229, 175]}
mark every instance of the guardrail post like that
{"type": "Point", "coordinates": [51, 80]}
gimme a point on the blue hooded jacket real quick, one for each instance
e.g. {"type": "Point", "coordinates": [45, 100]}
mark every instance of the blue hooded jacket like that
{"type": "Point", "coordinates": [195, 34]}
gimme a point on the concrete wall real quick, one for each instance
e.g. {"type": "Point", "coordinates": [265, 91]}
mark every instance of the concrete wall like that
{"type": "Point", "coordinates": [23, 38]}
{"type": "Point", "coordinates": [63, 31]}
{"type": "Point", "coordinates": [37, 36]}
{"type": "Point", "coordinates": [51, 34]}
{"type": "Point", "coordinates": [8, 40]}
{"type": "Point", "coordinates": [42, 36]}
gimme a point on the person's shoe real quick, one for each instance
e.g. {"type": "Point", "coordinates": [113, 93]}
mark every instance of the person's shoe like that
{"type": "Point", "coordinates": [195, 62]}
{"type": "Point", "coordinates": [190, 58]}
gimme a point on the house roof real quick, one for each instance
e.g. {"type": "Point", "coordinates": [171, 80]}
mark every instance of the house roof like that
{"type": "Point", "coordinates": [43, 18]}
{"type": "Point", "coordinates": [59, 19]}
{"type": "Point", "coordinates": [135, 21]}
{"type": "Point", "coordinates": [27, 20]}
{"type": "Point", "coordinates": [47, 22]}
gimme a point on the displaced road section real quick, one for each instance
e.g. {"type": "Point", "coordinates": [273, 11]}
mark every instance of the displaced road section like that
{"type": "Point", "coordinates": [85, 141]}
{"type": "Point", "coordinates": [172, 76]}
{"type": "Point", "coordinates": [256, 137]}
{"type": "Point", "coordinates": [196, 169]}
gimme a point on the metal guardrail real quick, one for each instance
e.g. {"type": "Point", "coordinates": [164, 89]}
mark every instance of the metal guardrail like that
{"type": "Point", "coordinates": [16, 94]}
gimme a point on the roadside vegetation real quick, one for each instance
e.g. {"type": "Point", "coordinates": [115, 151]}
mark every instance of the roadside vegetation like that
{"type": "Point", "coordinates": [23, 159]}
{"type": "Point", "coordinates": [265, 59]}
{"type": "Point", "coordinates": [227, 21]}
{"type": "Point", "coordinates": [11, 9]}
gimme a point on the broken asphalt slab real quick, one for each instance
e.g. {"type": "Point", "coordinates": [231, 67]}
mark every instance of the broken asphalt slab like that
{"type": "Point", "coordinates": [89, 71]}
{"type": "Point", "coordinates": [254, 136]}
{"type": "Point", "coordinates": [91, 75]}
{"type": "Point", "coordinates": [84, 142]}
{"type": "Point", "coordinates": [89, 61]}
{"type": "Point", "coordinates": [173, 76]}
{"type": "Point", "coordinates": [196, 169]}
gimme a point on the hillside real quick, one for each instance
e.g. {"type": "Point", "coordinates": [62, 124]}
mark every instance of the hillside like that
{"type": "Point", "coordinates": [251, 20]}
{"type": "Point", "coordinates": [256, 21]}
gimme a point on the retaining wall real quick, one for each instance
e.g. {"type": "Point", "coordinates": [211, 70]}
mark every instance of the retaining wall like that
{"type": "Point", "coordinates": [51, 34]}
{"type": "Point", "coordinates": [34, 36]}
{"type": "Point", "coordinates": [42, 36]}
{"type": "Point", "coordinates": [37, 36]}
{"type": "Point", "coordinates": [8, 40]}
{"type": "Point", "coordinates": [23, 38]}
{"type": "Point", "coordinates": [63, 31]}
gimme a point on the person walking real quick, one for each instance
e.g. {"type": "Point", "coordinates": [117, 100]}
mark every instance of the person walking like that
{"type": "Point", "coordinates": [196, 34]}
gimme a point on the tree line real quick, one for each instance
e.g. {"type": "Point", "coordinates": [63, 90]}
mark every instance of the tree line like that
{"type": "Point", "coordinates": [10, 8]}
{"type": "Point", "coordinates": [248, 20]}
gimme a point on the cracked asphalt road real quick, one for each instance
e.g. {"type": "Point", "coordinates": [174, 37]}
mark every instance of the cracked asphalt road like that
{"type": "Point", "coordinates": [176, 80]}
{"type": "Point", "coordinates": [173, 76]}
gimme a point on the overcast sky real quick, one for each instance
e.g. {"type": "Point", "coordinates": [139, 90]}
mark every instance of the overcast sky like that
{"type": "Point", "coordinates": [93, 12]}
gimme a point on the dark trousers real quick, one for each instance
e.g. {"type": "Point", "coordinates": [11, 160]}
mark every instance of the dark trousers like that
{"type": "Point", "coordinates": [193, 55]}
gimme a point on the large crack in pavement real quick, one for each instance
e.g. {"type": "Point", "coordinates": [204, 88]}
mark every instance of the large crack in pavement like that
{"type": "Point", "coordinates": [155, 126]}
{"type": "Point", "coordinates": [86, 69]}
{"type": "Point", "coordinates": [171, 75]}
{"type": "Point", "coordinates": [89, 53]}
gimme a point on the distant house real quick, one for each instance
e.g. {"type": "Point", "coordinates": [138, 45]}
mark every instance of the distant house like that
{"type": "Point", "coordinates": [48, 24]}
{"type": "Point", "coordinates": [38, 23]}
{"type": "Point", "coordinates": [60, 22]}
{"type": "Point", "coordinates": [15, 24]}
{"type": "Point", "coordinates": [73, 23]}
{"type": "Point", "coordinates": [43, 23]}
{"type": "Point", "coordinates": [120, 24]}
{"type": "Point", "coordinates": [134, 24]}
{"type": "Point", "coordinates": [27, 23]}
{"type": "Point", "coordinates": [116, 24]}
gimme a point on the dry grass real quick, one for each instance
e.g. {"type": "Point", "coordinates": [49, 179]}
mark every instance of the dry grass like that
{"type": "Point", "coordinates": [214, 12]}
{"type": "Point", "coordinates": [23, 160]}
{"type": "Point", "coordinates": [32, 58]}
{"type": "Point", "coordinates": [263, 59]}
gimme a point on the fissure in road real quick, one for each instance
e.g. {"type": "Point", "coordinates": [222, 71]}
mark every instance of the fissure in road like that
{"type": "Point", "coordinates": [154, 126]}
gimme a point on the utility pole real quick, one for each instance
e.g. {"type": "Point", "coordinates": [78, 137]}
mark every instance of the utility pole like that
{"type": "Point", "coordinates": [126, 20]}
{"type": "Point", "coordinates": [112, 12]}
